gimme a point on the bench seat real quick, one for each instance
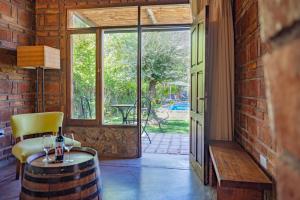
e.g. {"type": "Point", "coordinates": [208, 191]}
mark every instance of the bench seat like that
{"type": "Point", "coordinates": [236, 173]}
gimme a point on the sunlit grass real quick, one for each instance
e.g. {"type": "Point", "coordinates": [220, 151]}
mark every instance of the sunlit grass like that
{"type": "Point", "coordinates": [171, 126]}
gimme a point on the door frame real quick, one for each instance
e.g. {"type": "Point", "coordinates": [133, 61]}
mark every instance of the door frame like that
{"type": "Point", "coordinates": [98, 122]}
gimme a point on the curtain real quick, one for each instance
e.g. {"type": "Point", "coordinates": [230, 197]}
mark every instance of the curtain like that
{"type": "Point", "coordinates": [221, 70]}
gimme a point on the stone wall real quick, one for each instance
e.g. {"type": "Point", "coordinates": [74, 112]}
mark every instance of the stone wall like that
{"type": "Point", "coordinates": [281, 27]}
{"type": "Point", "coordinates": [51, 30]}
{"type": "Point", "coordinates": [17, 89]}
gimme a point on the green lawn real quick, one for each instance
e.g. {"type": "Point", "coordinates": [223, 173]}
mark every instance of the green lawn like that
{"type": "Point", "coordinates": [172, 126]}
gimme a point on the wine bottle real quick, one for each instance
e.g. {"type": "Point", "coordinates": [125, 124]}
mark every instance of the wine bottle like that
{"type": "Point", "coordinates": [59, 146]}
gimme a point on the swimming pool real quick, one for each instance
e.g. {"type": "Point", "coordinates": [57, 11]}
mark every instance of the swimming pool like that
{"type": "Point", "coordinates": [180, 106]}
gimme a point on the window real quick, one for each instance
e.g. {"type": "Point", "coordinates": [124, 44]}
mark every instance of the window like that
{"type": "Point", "coordinates": [83, 77]}
{"type": "Point", "coordinates": [120, 76]}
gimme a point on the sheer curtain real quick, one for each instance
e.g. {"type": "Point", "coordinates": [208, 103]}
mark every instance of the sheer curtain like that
{"type": "Point", "coordinates": [221, 70]}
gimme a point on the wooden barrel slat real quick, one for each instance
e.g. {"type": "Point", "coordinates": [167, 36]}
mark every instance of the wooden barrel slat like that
{"type": "Point", "coordinates": [78, 180]}
{"type": "Point", "coordinates": [87, 192]}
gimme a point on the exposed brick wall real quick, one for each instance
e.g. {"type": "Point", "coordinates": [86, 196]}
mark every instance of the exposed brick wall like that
{"type": "Point", "coordinates": [51, 30]}
{"type": "Point", "coordinates": [252, 128]}
{"type": "Point", "coordinates": [281, 27]}
{"type": "Point", "coordinates": [16, 85]}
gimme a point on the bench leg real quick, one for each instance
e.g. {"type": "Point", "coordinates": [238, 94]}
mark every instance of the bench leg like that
{"type": "Point", "coordinates": [238, 193]}
{"type": "Point", "coordinates": [212, 175]}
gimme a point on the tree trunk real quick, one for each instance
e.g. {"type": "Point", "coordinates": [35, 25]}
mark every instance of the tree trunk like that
{"type": "Point", "coordinates": [152, 89]}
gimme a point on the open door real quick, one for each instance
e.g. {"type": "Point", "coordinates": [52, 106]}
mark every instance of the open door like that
{"type": "Point", "coordinates": [198, 94]}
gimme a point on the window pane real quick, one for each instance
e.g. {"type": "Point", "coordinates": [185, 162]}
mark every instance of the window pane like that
{"type": "Point", "coordinates": [83, 50]}
{"type": "Point", "coordinates": [103, 17]}
{"type": "Point", "coordinates": [166, 14]}
{"type": "Point", "coordinates": [120, 82]}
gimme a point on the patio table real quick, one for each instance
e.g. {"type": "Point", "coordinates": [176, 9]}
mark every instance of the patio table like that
{"type": "Point", "coordinates": [124, 109]}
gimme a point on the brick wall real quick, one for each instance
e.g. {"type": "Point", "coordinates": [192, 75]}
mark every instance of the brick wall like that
{"type": "Point", "coordinates": [281, 27]}
{"type": "Point", "coordinates": [252, 128]}
{"type": "Point", "coordinates": [16, 85]}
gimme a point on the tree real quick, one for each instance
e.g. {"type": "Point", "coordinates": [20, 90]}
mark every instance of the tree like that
{"type": "Point", "coordinates": [84, 74]}
{"type": "Point", "coordinates": [165, 58]}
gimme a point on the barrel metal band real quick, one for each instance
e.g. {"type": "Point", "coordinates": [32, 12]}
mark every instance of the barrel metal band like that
{"type": "Point", "coordinates": [59, 170]}
{"type": "Point", "coordinates": [60, 179]}
{"type": "Point", "coordinates": [61, 192]}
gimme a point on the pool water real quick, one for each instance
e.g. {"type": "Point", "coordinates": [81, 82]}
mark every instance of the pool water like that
{"type": "Point", "coordinates": [180, 106]}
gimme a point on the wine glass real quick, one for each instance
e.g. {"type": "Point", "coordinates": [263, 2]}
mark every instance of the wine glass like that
{"type": "Point", "coordinates": [69, 143]}
{"type": "Point", "coordinates": [47, 145]}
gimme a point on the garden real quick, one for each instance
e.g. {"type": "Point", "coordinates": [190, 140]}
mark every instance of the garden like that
{"type": "Point", "coordinates": [165, 78]}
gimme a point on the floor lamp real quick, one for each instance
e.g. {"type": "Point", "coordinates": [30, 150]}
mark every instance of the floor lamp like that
{"type": "Point", "coordinates": [38, 58]}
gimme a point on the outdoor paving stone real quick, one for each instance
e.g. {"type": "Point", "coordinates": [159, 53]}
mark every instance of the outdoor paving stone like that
{"type": "Point", "coordinates": [167, 144]}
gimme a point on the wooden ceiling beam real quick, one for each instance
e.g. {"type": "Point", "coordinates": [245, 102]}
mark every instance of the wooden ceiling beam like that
{"type": "Point", "coordinates": [85, 19]}
{"type": "Point", "coordinates": [151, 16]}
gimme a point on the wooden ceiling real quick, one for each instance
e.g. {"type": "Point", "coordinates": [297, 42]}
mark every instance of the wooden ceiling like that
{"type": "Point", "coordinates": [128, 16]}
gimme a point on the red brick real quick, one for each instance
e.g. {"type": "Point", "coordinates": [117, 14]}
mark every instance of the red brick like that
{"type": "Point", "coordinates": [25, 110]}
{"type": "Point", "coordinates": [13, 97]}
{"type": "Point", "coordinates": [277, 15]}
{"type": "Point", "coordinates": [6, 35]}
{"type": "Point", "coordinates": [16, 103]}
{"type": "Point", "coordinates": [283, 69]}
{"type": "Point", "coordinates": [52, 88]}
{"type": "Point", "coordinates": [4, 86]}
{"type": "Point", "coordinates": [25, 18]}
{"type": "Point", "coordinates": [3, 97]}
{"type": "Point", "coordinates": [25, 39]}
{"type": "Point", "coordinates": [19, 3]}
{"type": "Point", "coordinates": [51, 20]}
{"type": "Point", "coordinates": [24, 87]}
{"type": "Point", "coordinates": [5, 8]}
{"type": "Point", "coordinates": [252, 126]}
{"type": "Point", "coordinates": [288, 178]}
{"type": "Point", "coordinates": [5, 115]}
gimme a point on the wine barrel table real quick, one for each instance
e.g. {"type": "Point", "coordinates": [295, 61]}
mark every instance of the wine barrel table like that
{"type": "Point", "coordinates": [79, 179]}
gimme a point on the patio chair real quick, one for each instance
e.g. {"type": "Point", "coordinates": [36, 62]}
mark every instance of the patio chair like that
{"type": "Point", "coordinates": [159, 120]}
{"type": "Point", "coordinates": [145, 115]}
{"type": "Point", "coordinates": [146, 111]}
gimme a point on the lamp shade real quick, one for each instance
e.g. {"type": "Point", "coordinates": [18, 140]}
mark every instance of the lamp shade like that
{"type": "Point", "coordinates": [38, 56]}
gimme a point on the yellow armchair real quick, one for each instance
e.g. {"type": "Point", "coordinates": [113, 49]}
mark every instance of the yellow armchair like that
{"type": "Point", "coordinates": [30, 125]}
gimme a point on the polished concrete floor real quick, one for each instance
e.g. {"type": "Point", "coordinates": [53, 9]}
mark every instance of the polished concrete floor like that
{"type": "Point", "coordinates": [154, 176]}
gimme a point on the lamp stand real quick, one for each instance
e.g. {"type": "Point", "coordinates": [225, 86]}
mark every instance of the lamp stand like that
{"type": "Point", "coordinates": [37, 109]}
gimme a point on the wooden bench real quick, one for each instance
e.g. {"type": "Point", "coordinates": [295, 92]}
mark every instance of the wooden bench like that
{"type": "Point", "coordinates": [235, 173]}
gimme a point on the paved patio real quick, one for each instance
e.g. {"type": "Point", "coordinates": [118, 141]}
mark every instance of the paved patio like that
{"type": "Point", "coordinates": [163, 143]}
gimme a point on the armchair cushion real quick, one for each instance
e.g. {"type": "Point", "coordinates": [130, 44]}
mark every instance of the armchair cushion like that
{"type": "Point", "coordinates": [23, 149]}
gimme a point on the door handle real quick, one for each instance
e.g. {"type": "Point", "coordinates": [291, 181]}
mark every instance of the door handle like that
{"type": "Point", "coordinates": [200, 98]}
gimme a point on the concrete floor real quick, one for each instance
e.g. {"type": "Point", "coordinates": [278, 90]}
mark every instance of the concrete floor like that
{"type": "Point", "coordinates": [153, 177]}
